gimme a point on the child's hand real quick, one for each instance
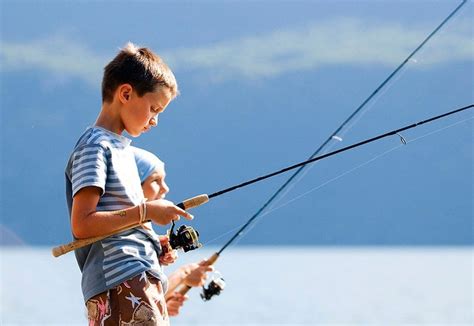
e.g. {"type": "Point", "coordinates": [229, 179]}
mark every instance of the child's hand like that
{"type": "Point", "coordinates": [162, 212]}
{"type": "Point", "coordinates": [175, 302]}
{"type": "Point", "coordinates": [197, 273]}
{"type": "Point", "coordinates": [168, 254]}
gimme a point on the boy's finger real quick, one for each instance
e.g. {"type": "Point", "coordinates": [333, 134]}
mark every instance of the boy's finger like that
{"type": "Point", "coordinates": [184, 214]}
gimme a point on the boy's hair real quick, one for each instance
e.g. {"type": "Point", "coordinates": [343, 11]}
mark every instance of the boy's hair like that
{"type": "Point", "coordinates": [139, 67]}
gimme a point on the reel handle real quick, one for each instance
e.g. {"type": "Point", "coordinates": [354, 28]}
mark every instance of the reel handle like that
{"type": "Point", "coordinates": [76, 244]}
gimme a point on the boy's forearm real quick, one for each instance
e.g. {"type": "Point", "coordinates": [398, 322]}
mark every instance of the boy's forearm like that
{"type": "Point", "coordinates": [87, 222]}
{"type": "Point", "coordinates": [105, 222]}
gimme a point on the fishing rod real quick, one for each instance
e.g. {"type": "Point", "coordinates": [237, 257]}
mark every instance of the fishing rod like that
{"type": "Point", "coordinates": [317, 158]}
{"type": "Point", "coordinates": [215, 284]}
{"type": "Point", "coordinates": [204, 198]}
{"type": "Point", "coordinates": [213, 258]}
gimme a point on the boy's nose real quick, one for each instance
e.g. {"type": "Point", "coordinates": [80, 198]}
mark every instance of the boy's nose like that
{"type": "Point", "coordinates": [153, 121]}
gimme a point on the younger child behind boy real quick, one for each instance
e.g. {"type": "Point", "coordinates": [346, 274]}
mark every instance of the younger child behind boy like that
{"type": "Point", "coordinates": [152, 176]}
{"type": "Point", "coordinates": [122, 280]}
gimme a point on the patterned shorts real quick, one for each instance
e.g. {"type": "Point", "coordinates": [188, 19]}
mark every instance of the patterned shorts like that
{"type": "Point", "coordinates": [138, 301]}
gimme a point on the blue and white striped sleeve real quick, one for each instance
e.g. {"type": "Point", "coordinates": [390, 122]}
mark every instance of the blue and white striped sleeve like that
{"type": "Point", "coordinates": [89, 168]}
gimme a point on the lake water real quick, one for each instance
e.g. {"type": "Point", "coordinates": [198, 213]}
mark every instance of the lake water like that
{"type": "Point", "coordinates": [271, 286]}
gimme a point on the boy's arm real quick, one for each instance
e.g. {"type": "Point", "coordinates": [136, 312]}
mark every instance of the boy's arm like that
{"type": "Point", "coordinates": [87, 222]}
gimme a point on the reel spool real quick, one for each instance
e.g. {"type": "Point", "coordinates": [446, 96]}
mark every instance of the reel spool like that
{"type": "Point", "coordinates": [185, 237]}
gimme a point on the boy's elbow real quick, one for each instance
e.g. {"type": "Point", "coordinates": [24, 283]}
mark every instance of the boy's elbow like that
{"type": "Point", "coordinates": [78, 233]}
{"type": "Point", "coordinates": [78, 229]}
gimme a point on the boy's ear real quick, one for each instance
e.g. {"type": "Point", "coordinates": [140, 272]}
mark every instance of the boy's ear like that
{"type": "Point", "coordinates": [124, 92]}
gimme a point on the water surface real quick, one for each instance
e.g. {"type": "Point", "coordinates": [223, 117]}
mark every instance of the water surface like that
{"type": "Point", "coordinates": [271, 285]}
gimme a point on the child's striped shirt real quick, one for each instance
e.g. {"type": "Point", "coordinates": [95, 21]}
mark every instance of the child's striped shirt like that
{"type": "Point", "coordinates": [104, 159]}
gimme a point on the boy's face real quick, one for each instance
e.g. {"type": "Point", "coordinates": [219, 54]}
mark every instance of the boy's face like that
{"type": "Point", "coordinates": [139, 114]}
{"type": "Point", "coordinates": [155, 187]}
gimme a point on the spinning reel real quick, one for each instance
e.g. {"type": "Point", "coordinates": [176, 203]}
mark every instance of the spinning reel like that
{"type": "Point", "coordinates": [185, 237]}
{"type": "Point", "coordinates": [215, 287]}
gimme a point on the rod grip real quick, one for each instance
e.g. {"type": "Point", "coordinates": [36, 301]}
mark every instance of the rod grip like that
{"type": "Point", "coordinates": [79, 243]}
{"type": "Point", "coordinates": [76, 244]}
{"type": "Point", "coordinates": [193, 202]}
{"type": "Point", "coordinates": [184, 289]}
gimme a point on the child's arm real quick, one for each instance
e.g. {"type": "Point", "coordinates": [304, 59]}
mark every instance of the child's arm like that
{"type": "Point", "coordinates": [175, 302]}
{"type": "Point", "coordinates": [192, 275]}
{"type": "Point", "coordinates": [168, 254]}
{"type": "Point", "coordinates": [87, 222]}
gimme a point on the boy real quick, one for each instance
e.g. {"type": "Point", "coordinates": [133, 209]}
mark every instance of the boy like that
{"type": "Point", "coordinates": [122, 281]}
{"type": "Point", "coordinates": [152, 176]}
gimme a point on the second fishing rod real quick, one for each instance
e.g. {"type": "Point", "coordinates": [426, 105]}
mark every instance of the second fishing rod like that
{"type": "Point", "coordinates": [218, 284]}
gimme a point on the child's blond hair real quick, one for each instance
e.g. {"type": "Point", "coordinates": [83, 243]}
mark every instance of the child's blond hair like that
{"type": "Point", "coordinates": [139, 67]}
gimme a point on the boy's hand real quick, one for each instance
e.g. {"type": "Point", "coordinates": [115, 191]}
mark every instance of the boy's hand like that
{"type": "Point", "coordinates": [175, 302]}
{"type": "Point", "coordinates": [162, 212]}
{"type": "Point", "coordinates": [168, 254]}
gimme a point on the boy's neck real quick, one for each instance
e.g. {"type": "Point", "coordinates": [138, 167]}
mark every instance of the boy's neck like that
{"type": "Point", "coordinates": [109, 118]}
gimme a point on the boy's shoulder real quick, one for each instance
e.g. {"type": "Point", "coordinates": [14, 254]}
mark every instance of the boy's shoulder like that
{"type": "Point", "coordinates": [95, 143]}
{"type": "Point", "coordinates": [99, 137]}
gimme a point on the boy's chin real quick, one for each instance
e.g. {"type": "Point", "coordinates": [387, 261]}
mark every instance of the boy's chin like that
{"type": "Point", "coordinates": [134, 133]}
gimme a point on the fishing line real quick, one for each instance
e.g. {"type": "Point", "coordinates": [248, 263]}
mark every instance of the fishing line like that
{"type": "Point", "coordinates": [365, 163]}
{"type": "Point", "coordinates": [269, 211]}
{"type": "Point", "coordinates": [339, 138]}
{"type": "Point", "coordinates": [439, 130]}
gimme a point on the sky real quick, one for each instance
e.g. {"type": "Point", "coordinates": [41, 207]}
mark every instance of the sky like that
{"type": "Point", "coordinates": [263, 84]}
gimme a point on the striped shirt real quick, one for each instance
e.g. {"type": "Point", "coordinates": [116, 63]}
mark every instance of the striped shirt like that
{"type": "Point", "coordinates": [105, 160]}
